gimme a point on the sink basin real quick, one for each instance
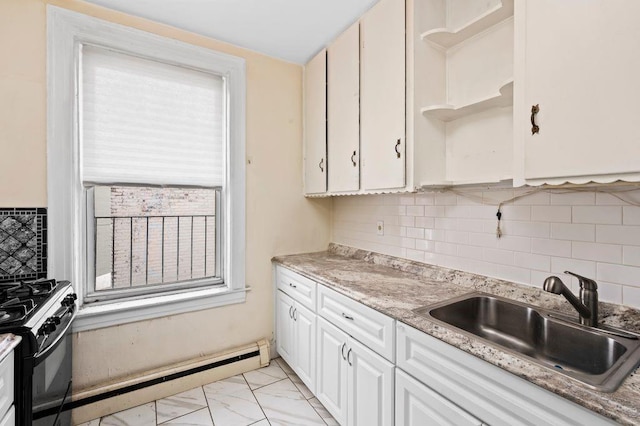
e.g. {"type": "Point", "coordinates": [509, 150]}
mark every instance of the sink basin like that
{"type": "Point", "coordinates": [598, 357]}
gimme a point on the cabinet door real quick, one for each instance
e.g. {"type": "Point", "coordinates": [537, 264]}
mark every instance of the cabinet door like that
{"type": "Point", "coordinates": [343, 112]}
{"type": "Point", "coordinates": [371, 387]}
{"type": "Point", "coordinates": [284, 327]}
{"type": "Point", "coordinates": [580, 64]}
{"type": "Point", "coordinates": [382, 95]}
{"type": "Point", "coordinates": [331, 374]}
{"type": "Point", "coordinates": [315, 124]}
{"type": "Point", "coordinates": [417, 405]}
{"type": "Point", "coordinates": [305, 345]}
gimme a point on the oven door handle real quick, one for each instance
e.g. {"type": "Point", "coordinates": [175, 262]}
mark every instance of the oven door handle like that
{"type": "Point", "coordinates": [43, 351]}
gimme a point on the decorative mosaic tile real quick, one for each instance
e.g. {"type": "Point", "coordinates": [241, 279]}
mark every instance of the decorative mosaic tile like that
{"type": "Point", "coordinates": [23, 243]}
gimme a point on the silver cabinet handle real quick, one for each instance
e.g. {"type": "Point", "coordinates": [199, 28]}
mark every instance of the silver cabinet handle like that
{"type": "Point", "coordinates": [290, 314]}
{"type": "Point", "coordinates": [342, 350]}
{"type": "Point", "coordinates": [353, 159]}
{"type": "Point", "coordinates": [397, 148]}
{"type": "Point", "coordinates": [292, 285]}
{"type": "Point", "coordinates": [349, 357]}
{"type": "Point", "coordinates": [345, 316]}
{"type": "Point", "coordinates": [295, 317]}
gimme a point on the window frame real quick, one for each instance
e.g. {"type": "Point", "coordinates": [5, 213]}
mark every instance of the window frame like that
{"type": "Point", "coordinates": [67, 197]}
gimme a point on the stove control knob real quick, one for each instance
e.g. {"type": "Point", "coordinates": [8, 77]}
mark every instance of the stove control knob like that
{"type": "Point", "coordinates": [69, 299]}
{"type": "Point", "coordinates": [54, 319]}
{"type": "Point", "coordinates": [47, 328]}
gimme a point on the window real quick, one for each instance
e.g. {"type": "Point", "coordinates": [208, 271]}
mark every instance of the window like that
{"type": "Point", "coordinates": [146, 171]}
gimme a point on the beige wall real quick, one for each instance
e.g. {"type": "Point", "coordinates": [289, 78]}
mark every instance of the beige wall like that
{"type": "Point", "coordinates": [279, 219]}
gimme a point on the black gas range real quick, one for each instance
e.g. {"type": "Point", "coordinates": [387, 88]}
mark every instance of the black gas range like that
{"type": "Point", "coordinates": [41, 312]}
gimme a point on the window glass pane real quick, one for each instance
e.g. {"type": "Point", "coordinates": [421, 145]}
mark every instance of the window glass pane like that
{"type": "Point", "coordinates": [148, 236]}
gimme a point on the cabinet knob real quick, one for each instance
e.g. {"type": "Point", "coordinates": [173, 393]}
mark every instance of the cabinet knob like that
{"type": "Point", "coordinates": [397, 148]}
{"type": "Point", "coordinates": [353, 158]}
{"type": "Point", "coordinates": [292, 285]}
{"type": "Point", "coordinates": [535, 109]}
{"type": "Point", "coordinates": [320, 164]}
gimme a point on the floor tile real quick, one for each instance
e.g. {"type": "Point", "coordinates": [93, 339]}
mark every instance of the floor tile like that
{"type": "Point", "coordinates": [142, 415]}
{"type": "Point", "coordinates": [326, 416]}
{"type": "Point", "coordinates": [265, 376]}
{"type": "Point", "coordinates": [95, 422]}
{"type": "Point", "coordinates": [304, 390]}
{"type": "Point", "coordinates": [285, 367]}
{"type": "Point", "coordinates": [231, 402]}
{"type": "Point", "coordinates": [197, 418]}
{"type": "Point", "coordinates": [180, 404]}
{"type": "Point", "coordinates": [284, 405]}
{"type": "Point", "coordinates": [264, 422]}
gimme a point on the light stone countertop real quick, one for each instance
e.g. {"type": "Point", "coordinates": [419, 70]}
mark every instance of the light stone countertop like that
{"type": "Point", "coordinates": [397, 286]}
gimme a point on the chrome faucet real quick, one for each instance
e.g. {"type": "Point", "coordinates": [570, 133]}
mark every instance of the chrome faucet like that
{"type": "Point", "coordinates": [587, 305]}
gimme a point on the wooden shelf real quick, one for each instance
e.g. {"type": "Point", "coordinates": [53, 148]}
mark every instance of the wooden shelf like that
{"type": "Point", "coordinates": [447, 37]}
{"type": "Point", "coordinates": [446, 112]}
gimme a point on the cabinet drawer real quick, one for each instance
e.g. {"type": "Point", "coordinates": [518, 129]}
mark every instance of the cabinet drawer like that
{"type": "Point", "coordinates": [302, 289]}
{"type": "Point", "coordinates": [417, 405]}
{"type": "Point", "coordinates": [6, 383]}
{"type": "Point", "coordinates": [484, 390]}
{"type": "Point", "coordinates": [372, 328]}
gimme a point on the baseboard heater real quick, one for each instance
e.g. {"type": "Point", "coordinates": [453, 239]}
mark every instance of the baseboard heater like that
{"type": "Point", "coordinates": [143, 384]}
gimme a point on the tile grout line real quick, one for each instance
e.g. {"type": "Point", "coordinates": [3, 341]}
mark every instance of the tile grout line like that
{"type": "Point", "coordinates": [256, 399]}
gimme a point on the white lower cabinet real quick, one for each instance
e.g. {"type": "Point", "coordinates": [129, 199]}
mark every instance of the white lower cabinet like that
{"type": "Point", "coordinates": [296, 343]}
{"type": "Point", "coordinates": [353, 383]}
{"type": "Point", "coordinates": [417, 405]}
{"type": "Point", "coordinates": [484, 390]}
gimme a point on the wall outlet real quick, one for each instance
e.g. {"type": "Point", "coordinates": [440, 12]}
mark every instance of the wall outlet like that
{"type": "Point", "coordinates": [380, 228]}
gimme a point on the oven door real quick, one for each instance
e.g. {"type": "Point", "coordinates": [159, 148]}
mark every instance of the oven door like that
{"type": "Point", "coordinates": [52, 375]}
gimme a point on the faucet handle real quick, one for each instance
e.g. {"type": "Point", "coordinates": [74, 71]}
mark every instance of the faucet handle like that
{"type": "Point", "coordinates": [586, 283]}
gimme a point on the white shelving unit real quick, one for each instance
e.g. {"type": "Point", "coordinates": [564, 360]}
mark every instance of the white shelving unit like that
{"type": "Point", "coordinates": [503, 98]}
{"type": "Point", "coordinates": [463, 79]}
{"type": "Point", "coordinates": [448, 37]}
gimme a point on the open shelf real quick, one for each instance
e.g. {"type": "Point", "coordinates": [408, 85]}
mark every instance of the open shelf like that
{"type": "Point", "coordinates": [446, 112]}
{"type": "Point", "coordinates": [447, 37]}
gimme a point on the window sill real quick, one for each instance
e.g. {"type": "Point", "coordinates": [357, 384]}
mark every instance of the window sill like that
{"type": "Point", "coordinates": [116, 313]}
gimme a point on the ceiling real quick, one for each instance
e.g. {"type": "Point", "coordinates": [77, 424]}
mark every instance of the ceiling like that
{"type": "Point", "coordinates": [293, 30]}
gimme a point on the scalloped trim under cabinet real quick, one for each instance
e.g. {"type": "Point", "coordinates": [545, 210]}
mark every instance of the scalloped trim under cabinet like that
{"type": "Point", "coordinates": [447, 37]}
{"type": "Point", "coordinates": [446, 112]}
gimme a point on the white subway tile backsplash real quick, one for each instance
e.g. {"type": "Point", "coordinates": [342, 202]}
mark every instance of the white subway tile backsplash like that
{"type": "Point", "coordinates": [631, 215]}
{"type": "Point", "coordinates": [458, 237]}
{"type": "Point", "coordinates": [573, 231]}
{"type": "Point", "coordinates": [446, 248]}
{"type": "Point", "coordinates": [551, 214]}
{"type": "Point", "coordinates": [618, 234]}
{"type": "Point", "coordinates": [631, 296]}
{"type": "Point", "coordinates": [415, 233]}
{"type": "Point", "coordinates": [415, 210]}
{"type": "Point", "coordinates": [532, 261]}
{"type": "Point", "coordinates": [619, 274]}
{"type": "Point", "coordinates": [590, 233]}
{"type": "Point", "coordinates": [574, 199]}
{"type": "Point", "coordinates": [500, 257]}
{"type": "Point", "coordinates": [605, 215]}
{"type": "Point", "coordinates": [630, 255]}
{"type": "Point", "coordinates": [426, 245]}
{"type": "Point", "coordinates": [609, 292]}
{"type": "Point", "coordinates": [611, 253]}
{"type": "Point", "coordinates": [424, 222]}
{"type": "Point", "coordinates": [529, 229]}
{"type": "Point", "coordinates": [551, 247]}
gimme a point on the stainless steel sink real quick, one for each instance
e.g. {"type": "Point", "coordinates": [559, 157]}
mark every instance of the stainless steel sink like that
{"type": "Point", "coordinates": [598, 357]}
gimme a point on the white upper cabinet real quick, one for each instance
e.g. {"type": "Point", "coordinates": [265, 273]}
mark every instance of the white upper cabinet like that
{"type": "Point", "coordinates": [315, 125]}
{"type": "Point", "coordinates": [578, 61]}
{"type": "Point", "coordinates": [343, 88]}
{"type": "Point", "coordinates": [382, 94]}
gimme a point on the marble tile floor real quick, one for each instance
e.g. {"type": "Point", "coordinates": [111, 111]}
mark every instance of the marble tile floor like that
{"type": "Point", "coordinates": [270, 396]}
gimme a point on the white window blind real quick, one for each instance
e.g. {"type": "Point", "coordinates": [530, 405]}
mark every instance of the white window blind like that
{"type": "Point", "coordinates": [148, 122]}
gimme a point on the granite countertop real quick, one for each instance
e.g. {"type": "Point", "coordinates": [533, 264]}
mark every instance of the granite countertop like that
{"type": "Point", "coordinates": [397, 286]}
